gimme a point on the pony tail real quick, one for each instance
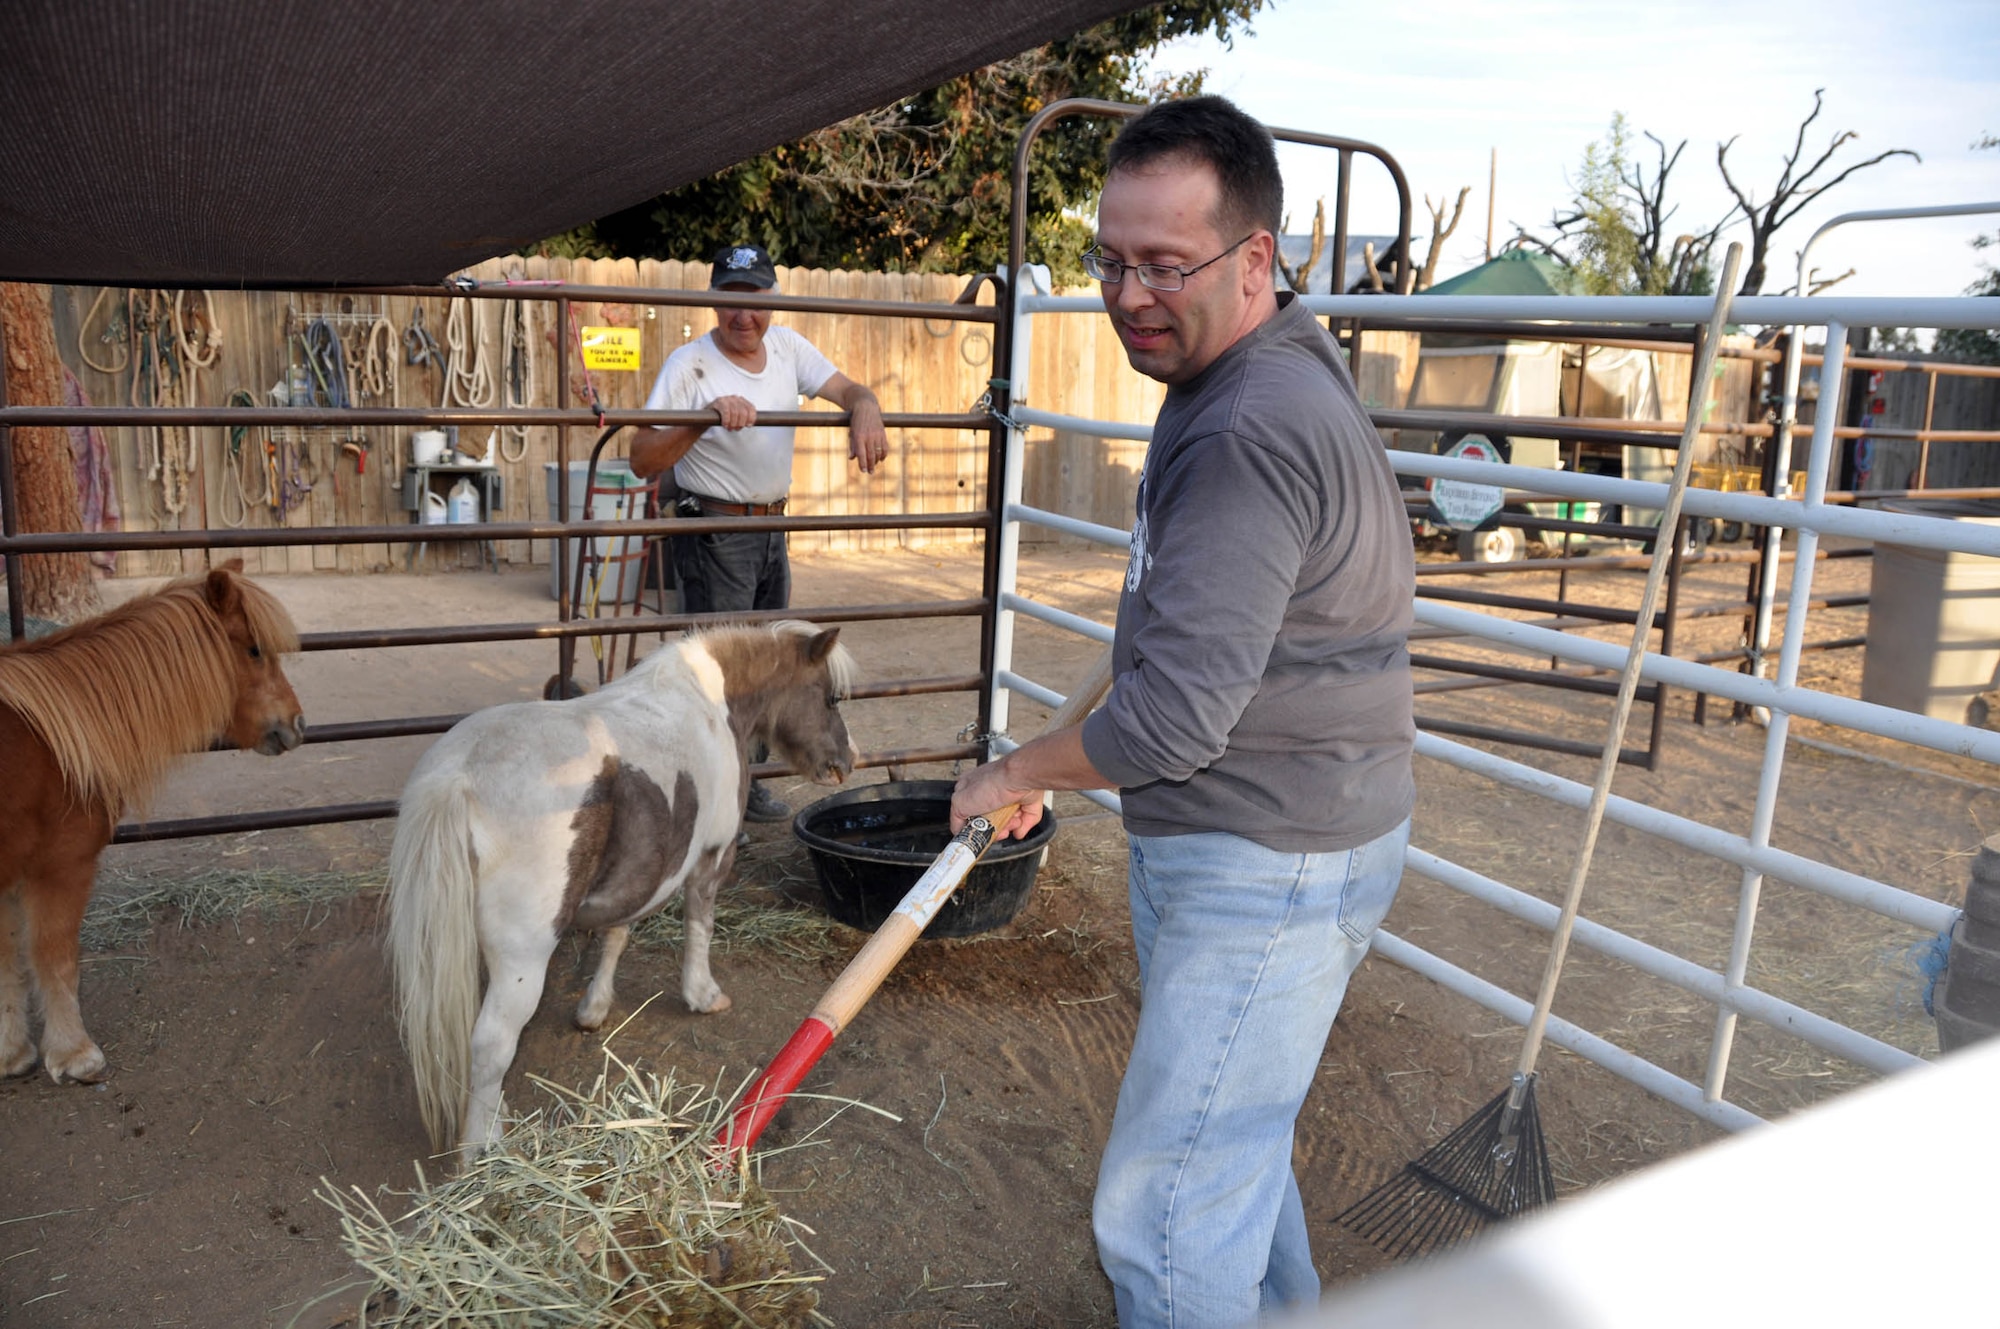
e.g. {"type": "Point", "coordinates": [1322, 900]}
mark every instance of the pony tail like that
{"type": "Point", "coordinates": [433, 940]}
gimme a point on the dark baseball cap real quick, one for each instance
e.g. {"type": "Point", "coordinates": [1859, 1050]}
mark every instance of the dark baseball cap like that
{"type": "Point", "coordinates": [742, 265]}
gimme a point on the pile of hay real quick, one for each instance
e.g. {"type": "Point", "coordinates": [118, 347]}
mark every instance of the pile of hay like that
{"type": "Point", "coordinates": [605, 1209]}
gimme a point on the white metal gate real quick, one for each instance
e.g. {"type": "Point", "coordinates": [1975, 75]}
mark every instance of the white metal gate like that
{"type": "Point", "coordinates": [1806, 516]}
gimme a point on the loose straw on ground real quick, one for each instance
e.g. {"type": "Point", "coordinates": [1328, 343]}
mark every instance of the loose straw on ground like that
{"type": "Point", "coordinates": [606, 1209]}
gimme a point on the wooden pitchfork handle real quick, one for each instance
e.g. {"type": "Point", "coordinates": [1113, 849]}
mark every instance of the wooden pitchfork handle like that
{"type": "Point", "coordinates": [865, 972]}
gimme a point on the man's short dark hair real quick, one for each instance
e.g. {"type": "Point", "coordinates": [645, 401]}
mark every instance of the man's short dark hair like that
{"type": "Point", "coordinates": [1213, 131]}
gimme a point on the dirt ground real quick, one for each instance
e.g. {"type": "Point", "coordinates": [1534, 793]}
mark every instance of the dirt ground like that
{"type": "Point", "coordinates": [253, 1053]}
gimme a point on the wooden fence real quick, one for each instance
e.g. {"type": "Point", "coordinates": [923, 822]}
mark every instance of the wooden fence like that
{"type": "Point", "coordinates": [505, 351]}
{"type": "Point", "coordinates": [334, 476]}
{"type": "Point", "coordinates": [317, 477]}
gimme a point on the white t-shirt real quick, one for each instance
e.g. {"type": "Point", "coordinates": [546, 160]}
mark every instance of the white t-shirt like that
{"type": "Point", "coordinates": [751, 465]}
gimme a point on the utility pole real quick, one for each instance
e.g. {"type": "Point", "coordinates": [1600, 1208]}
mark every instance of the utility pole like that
{"type": "Point", "coordinates": [1492, 176]}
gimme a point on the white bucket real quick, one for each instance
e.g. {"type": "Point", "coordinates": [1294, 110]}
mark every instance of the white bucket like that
{"type": "Point", "coordinates": [436, 510]}
{"type": "Point", "coordinates": [427, 447]}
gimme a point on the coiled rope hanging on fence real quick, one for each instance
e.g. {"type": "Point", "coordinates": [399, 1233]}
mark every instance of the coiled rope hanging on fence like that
{"type": "Point", "coordinates": [115, 332]}
{"type": "Point", "coordinates": [374, 365]}
{"type": "Point", "coordinates": [202, 351]}
{"type": "Point", "coordinates": [469, 379]}
{"type": "Point", "coordinates": [197, 349]}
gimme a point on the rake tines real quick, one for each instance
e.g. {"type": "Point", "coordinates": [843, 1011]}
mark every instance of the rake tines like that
{"type": "Point", "coordinates": [1491, 1168]}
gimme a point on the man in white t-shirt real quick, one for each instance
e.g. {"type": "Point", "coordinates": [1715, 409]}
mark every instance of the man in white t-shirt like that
{"type": "Point", "coordinates": [736, 467]}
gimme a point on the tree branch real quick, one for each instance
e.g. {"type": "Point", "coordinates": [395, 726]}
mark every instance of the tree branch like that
{"type": "Point", "coordinates": [1297, 280]}
{"type": "Point", "coordinates": [1440, 232]}
{"type": "Point", "coordinates": [1809, 195]}
{"type": "Point", "coordinates": [1722, 164]}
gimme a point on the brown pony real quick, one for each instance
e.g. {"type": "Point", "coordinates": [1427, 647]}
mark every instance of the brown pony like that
{"type": "Point", "coordinates": [90, 719]}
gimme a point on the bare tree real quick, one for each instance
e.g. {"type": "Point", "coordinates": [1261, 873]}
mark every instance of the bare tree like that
{"type": "Point", "coordinates": [1374, 267]}
{"type": "Point", "coordinates": [1816, 283]}
{"type": "Point", "coordinates": [1792, 191]}
{"type": "Point", "coordinates": [1440, 232]}
{"type": "Point", "coordinates": [1298, 278]}
{"type": "Point", "coordinates": [1679, 268]}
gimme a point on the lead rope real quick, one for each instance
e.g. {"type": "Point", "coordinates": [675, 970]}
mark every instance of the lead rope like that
{"type": "Point", "coordinates": [233, 486]}
{"type": "Point", "coordinates": [518, 337]}
{"type": "Point", "coordinates": [375, 374]}
{"type": "Point", "coordinates": [194, 352]}
{"type": "Point", "coordinates": [469, 378]}
{"type": "Point", "coordinates": [160, 375]}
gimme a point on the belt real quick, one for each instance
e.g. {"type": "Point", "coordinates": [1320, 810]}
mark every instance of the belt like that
{"type": "Point", "coordinates": [728, 509]}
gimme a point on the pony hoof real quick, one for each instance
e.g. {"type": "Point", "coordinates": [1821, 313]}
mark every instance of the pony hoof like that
{"type": "Point", "coordinates": [714, 1006]}
{"type": "Point", "coordinates": [87, 1067]}
{"type": "Point", "coordinates": [589, 1020]}
{"type": "Point", "coordinates": [19, 1063]}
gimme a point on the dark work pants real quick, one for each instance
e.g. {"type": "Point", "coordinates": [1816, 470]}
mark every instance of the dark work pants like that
{"type": "Point", "coordinates": [732, 573]}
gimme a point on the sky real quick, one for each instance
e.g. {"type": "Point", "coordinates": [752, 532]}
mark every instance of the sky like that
{"type": "Point", "coordinates": [1442, 84]}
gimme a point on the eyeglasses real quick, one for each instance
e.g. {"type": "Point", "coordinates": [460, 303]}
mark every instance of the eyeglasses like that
{"type": "Point", "coordinates": [1153, 276]}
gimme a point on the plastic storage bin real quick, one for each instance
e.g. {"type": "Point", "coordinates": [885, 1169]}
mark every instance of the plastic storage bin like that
{"type": "Point", "coordinates": [627, 499]}
{"type": "Point", "coordinates": [1933, 618]}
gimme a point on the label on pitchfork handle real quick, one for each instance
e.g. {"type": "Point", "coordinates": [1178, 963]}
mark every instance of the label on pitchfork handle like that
{"type": "Point", "coordinates": [924, 899]}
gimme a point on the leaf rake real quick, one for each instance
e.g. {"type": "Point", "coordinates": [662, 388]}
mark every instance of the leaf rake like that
{"type": "Point", "coordinates": [1496, 1164]}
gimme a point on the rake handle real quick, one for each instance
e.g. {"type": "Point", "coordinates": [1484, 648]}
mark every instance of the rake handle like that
{"type": "Point", "coordinates": [891, 941]}
{"type": "Point", "coordinates": [1628, 683]}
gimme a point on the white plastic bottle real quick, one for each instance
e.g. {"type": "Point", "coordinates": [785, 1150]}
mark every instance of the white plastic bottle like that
{"type": "Point", "coordinates": [463, 502]}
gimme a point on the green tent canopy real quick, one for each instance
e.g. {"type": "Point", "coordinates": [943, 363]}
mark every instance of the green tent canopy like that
{"type": "Point", "coordinates": [1516, 272]}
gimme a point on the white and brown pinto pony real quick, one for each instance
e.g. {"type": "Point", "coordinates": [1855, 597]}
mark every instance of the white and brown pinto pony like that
{"type": "Point", "coordinates": [531, 819]}
{"type": "Point", "coordinates": [90, 719]}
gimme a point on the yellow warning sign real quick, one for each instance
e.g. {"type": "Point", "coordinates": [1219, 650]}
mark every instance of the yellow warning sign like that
{"type": "Point", "coordinates": [611, 348]}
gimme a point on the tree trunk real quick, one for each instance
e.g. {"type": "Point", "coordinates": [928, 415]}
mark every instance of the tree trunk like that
{"type": "Point", "coordinates": [1760, 250]}
{"type": "Point", "coordinates": [54, 586]}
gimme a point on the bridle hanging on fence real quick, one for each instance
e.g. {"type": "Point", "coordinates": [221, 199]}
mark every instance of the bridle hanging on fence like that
{"type": "Point", "coordinates": [419, 347]}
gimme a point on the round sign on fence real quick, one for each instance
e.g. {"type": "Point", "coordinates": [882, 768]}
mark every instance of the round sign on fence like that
{"type": "Point", "coordinates": [1461, 503]}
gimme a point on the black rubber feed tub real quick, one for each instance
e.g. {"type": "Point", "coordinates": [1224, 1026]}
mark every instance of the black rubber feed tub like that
{"type": "Point", "coordinates": [870, 845]}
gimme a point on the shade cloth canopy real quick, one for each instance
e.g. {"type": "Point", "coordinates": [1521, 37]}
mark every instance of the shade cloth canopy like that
{"type": "Point", "coordinates": [227, 143]}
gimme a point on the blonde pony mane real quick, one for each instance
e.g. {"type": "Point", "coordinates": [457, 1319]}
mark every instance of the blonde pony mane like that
{"type": "Point", "coordinates": [740, 647]}
{"type": "Point", "coordinates": [116, 698]}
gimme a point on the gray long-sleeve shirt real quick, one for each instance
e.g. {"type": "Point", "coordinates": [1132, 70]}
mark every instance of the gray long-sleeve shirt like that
{"type": "Point", "coordinates": [1261, 667]}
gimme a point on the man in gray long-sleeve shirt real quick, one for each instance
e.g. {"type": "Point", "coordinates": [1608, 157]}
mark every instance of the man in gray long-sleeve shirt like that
{"type": "Point", "coordinates": [1258, 726]}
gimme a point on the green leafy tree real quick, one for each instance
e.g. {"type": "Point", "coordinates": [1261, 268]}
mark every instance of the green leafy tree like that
{"type": "Point", "coordinates": [922, 184]}
{"type": "Point", "coordinates": [1979, 346]}
{"type": "Point", "coordinates": [1614, 233]}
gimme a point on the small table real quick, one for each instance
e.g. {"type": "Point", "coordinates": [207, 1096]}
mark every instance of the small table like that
{"type": "Point", "coordinates": [419, 482]}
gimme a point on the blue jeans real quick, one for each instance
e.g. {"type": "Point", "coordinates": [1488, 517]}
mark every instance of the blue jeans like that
{"type": "Point", "coordinates": [1244, 954]}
